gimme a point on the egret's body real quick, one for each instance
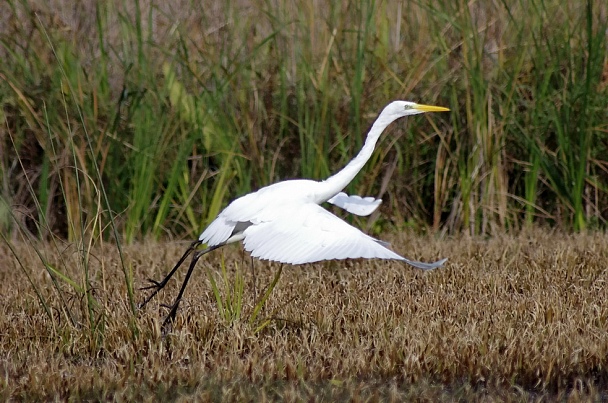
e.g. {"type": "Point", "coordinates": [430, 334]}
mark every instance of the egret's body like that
{"type": "Point", "coordinates": [284, 222]}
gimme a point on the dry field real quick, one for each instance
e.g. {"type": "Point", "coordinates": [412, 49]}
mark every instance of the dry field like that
{"type": "Point", "coordinates": [508, 319]}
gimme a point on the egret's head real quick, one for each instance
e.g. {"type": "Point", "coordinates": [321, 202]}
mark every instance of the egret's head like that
{"type": "Point", "coordinates": [397, 109]}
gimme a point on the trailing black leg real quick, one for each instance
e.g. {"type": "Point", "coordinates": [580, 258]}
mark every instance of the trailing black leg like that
{"type": "Point", "coordinates": [195, 258]}
{"type": "Point", "coordinates": [160, 285]}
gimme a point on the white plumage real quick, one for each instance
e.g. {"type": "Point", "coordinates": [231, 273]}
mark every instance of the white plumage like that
{"type": "Point", "coordinates": [361, 206]}
{"type": "Point", "coordinates": [284, 222]}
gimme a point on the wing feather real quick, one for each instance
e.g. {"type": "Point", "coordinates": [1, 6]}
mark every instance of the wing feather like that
{"type": "Point", "coordinates": [361, 206]}
{"type": "Point", "coordinates": [313, 234]}
{"type": "Point", "coordinates": [298, 232]}
{"type": "Point", "coordinates": [218, 231]}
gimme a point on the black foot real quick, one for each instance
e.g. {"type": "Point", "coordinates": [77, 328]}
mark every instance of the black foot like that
{"type": "Point", "coordinates": [155, 284]}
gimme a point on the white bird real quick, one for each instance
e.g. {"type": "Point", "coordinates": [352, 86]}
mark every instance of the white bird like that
{"type": "Point", "coordinates": [284, 222]}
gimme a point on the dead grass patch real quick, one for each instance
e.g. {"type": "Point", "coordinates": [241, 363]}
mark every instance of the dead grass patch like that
{"type": "Point", "coordinates": [509, 318]}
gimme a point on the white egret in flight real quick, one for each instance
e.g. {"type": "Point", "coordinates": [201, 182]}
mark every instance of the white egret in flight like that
{"type": "Point", "coordinates": [285, 223]}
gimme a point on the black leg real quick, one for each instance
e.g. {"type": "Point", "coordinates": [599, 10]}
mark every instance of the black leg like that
{"type": "Point", "coordinates": [195, 258]}
{"type": "Point", "coordinates": [160, 285]}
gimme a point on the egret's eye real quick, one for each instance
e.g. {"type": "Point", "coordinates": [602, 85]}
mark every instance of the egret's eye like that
{"type": "Point", "coordinates": [406, 107]}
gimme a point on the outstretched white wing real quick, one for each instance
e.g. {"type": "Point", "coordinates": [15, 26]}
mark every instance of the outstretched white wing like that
{"type": "Point", "coordinates": [307, 233]}
{"type": "Point", "coordinates": [361, 206]}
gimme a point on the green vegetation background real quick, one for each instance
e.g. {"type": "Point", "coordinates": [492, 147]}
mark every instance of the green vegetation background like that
{"type": "Point", "coordinates": [136, 119]}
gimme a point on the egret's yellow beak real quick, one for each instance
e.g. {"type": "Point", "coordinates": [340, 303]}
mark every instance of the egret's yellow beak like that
{"type": "Point", "coordinates": [430, 108]}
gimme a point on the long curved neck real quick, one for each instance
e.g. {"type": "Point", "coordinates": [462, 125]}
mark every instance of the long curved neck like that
{"type": "Point", "coordinates": [335, 183]}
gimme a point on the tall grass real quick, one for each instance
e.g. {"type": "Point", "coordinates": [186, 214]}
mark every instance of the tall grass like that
{"type": "Point", "coordinates": [561, 134]}
{"type": "Point", "coordinates": [188, 106]}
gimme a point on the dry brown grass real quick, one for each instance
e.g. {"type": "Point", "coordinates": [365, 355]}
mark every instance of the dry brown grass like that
{"type": "Point", "coordinates": [510, 318]}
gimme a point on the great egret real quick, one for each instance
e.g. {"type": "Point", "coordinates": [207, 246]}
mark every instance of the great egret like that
{"type": "Point", "coordinates": [284, 222]}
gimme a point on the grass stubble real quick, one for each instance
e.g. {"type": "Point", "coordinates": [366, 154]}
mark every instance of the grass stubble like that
{"type": "Point", "coordinates": [509, 318]}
